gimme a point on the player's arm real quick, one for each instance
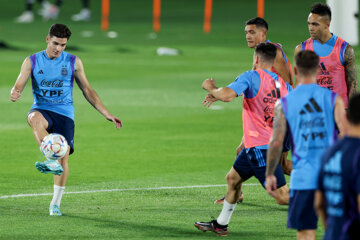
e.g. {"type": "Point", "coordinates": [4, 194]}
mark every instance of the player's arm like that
{"type": "Point", "coordinates": [275, 148]}
{"type": "Point", "coordinates": [297, 50]}
{"type": "Point", "coordinates": [350, 71]}
{"type": "Point", "coordinates": [224, 94]}
{"type": "Point", "coordinates": [21, 81]}
{"type": "Point", "coordinates": [320, 206]}
{"type": "Point", "coordinates": [340, 116]}
{"type": "Point", "coordinates": [282, 68]}
{"type": "Point", "coordinates": [90, 94]}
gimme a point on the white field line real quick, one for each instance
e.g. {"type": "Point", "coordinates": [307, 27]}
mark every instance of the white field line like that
{"type": "Point", "coordinates": [122, 190]}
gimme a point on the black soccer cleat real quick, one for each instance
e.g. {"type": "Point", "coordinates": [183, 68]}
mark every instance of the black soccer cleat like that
{"type": "Point", "coordinates": [212, 226]}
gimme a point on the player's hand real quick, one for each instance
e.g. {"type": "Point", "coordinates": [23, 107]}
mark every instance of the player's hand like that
{"type": "Point", "coordinates": [209, 84]}
{"type": "Point", "coordinates": [209, 99]}
{"type": "Point", "coordinates": [15, 94]}
{"type": "Point", "coordinates": [115, 120]}
{"type": "Point", "coordinates": [239, 148]}
{"type": "Point", "coordinates": [271, 185]}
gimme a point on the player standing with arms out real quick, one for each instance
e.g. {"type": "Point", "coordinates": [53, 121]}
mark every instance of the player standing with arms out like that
{"type": "Point", "coordinates": [256, 30]}
{"type": "Point", "coordinates": [311, 114]}
{"type": "Point", "coordinates": [52, 73]}
{"type": "Point", "coordinates": [261, 88]}
{"type": "Point", "coordinates": [337, 69]}
{"type": "Point", "coordinates": [337, 199]}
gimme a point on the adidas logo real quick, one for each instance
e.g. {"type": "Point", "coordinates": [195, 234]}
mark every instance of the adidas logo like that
{"type": "Point", "coordinates": [311, 107]}
{"type": "Point", "coordinates": [272, 96]}
{"type": "Point", "coordinates": [323, 69]}
{"type": "Point", "coordinates": [41, 72]}
{"type": "Point", "coordinates": [275, 94]}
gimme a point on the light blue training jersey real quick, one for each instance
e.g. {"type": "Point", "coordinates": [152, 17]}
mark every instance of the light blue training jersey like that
{"type": "Point", "coordinates": [52, 82]}
{"type": "Point", "coordinates": [309, 111]}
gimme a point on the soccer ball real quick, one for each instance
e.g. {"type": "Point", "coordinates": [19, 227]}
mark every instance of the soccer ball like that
{"type": "Point", "coordinates": [54, 146]}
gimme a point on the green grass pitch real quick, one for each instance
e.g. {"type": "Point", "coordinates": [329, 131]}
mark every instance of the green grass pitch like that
{"type": "Point", "coordinates": [168, 139]}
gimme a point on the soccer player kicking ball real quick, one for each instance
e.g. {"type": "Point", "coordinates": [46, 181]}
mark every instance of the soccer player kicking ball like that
{"type": "Point", "coordinates": [52, 74]}
{"type": "Point", "coordinates": [261, 89]}
{"type": "Point", "coordinates": [311, 114]}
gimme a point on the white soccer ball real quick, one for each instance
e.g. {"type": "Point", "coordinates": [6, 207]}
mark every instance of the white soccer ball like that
{"type": "Point", "coordinates": [54, 146]}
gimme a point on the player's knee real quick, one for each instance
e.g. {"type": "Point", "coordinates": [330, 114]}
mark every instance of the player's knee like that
{"type": "Point", "coordinates": [35, 120]}
{"type": "Point", "coordinates": [282, 200]}
{"type": "Point", "coordinates": [282, 195]}
{"type": "Point", "coordinates": [233, 181]}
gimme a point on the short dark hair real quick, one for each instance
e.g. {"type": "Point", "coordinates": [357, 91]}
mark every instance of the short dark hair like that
{"type": "Point", "coordinates": [353, 111]}
{"type": "Point", "coordinates": [60, 31]}
{"type": "Point", "coordinates": [266, 51]}
{"type": "Point", "coordinates": [307, 62]}
{"type": "Point", "coordinates": [321, 9]}
{"type": "Point", "coordinates": [259, 22]}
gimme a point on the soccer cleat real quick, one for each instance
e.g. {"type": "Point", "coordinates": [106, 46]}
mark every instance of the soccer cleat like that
{"type": "Point", "coordinates": [45, 8]}
{"type": "Point", "coordinates": [51, 13]}
{"type": "Point", "coordinates": [55, 210]}
{"type": "Point", "coordinates": [221, 200]}
{"type": "Point", "coordinates": [25, 17]}
{"type": "Point", "coordinates": [212, 226]}
{"type": "Point", "coordinates": [49, 166]}
{"type": "Point", "coordinates": [83, 15]}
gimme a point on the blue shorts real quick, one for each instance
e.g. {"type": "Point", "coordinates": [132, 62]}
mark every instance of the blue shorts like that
{"type": "Point", "coordinates": [252, 162]}
{"type": "Point", "coordinates": [59, 124]}
{"type": "Point", "coordinates": [302, 214]}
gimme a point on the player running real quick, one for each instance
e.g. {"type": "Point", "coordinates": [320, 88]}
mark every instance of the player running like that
{"type": "Point", "coordinates": [261, 88]}
{"type": "Point", "coordinates": [256, 30]}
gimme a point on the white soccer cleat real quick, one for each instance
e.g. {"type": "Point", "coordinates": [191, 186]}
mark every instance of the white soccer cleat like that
{"type": "Point", "coordinates": [50, 13]}
{"type": "Point", "coordinates": [45, 8]}
{"type": "Point", "coordinates": [83, 15]}
{"type": "Point", "coordinates": [25, 17]}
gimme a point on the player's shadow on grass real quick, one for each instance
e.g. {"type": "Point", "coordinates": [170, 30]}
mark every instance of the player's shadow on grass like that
{"type": "Point", "coordinates": [174, 231]}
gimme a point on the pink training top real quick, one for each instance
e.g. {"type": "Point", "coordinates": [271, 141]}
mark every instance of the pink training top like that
{"type": "Point", "coordinates": [258, 112]}
{"type": "Point", "coordinates": [331, 72]}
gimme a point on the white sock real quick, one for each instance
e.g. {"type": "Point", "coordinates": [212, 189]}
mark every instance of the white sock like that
{"type": "Point", "coordinates": [58, 192]}
{"type": "Point", "coordinates": [226, 212]}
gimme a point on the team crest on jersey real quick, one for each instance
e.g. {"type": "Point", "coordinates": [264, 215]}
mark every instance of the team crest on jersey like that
{"type": "Point", "coordinates": [64, 71]}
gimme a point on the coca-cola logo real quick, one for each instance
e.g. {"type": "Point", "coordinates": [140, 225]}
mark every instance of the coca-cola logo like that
{"type": "Point", "coordinates": [268, 109]}
{"type": "Point", "coordinates": [55, 83]}
{"type": "Point", "coordinates": [324, 81]}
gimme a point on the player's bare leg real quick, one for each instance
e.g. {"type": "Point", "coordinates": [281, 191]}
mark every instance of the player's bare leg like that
{"type": "Point", "coordinates": [241, 195]}
{"type": "Point", "coordinates": [306, 235]}
{"type": "Point", "coordinates": [61, 180]}
{"type": "Point", "coordinates": [234, 182]}
{"type": "Point", "coordinates": [220, 225]}
{"type": "Point", "coordinates": [59, 186]}
{"type": "Point", "coordinates": [39, 125]}
{"type": "Point", "coordinates": [282, 195]}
